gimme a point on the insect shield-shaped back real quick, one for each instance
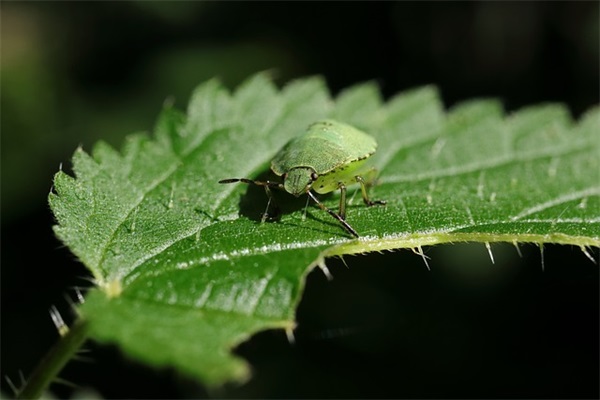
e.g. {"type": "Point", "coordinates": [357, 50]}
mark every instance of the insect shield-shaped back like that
{"type": "Point", "coordinates": [326, 146]}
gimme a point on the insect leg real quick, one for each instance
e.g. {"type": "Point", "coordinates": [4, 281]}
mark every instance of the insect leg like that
{"type": "Point", "coordinates": [365, 196]}
{"type": "Point", "coordinates": [267, 185]}
{"type": "Point", "coordinates": [265, 215]}
{"type": "Point", "coordinates": [342, 211]}
{"type": "Point", "coordinates": [333, 214]}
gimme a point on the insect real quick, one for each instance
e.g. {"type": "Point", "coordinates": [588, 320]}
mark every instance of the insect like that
{"type": "Point", "coordinates": [330, 155]}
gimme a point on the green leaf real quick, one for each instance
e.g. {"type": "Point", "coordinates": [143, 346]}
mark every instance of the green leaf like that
{"type": "Point", "coordinates": [184, 269]}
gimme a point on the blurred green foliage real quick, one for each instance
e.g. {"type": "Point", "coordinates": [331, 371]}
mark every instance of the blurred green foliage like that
{"type": "Point", "coordinates": [75, 73]}
{"type": "Point", "coordinates": [48, 109]}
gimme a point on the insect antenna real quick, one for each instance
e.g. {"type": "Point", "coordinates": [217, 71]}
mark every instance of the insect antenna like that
{"type": "Point", "coordinates": [270, 184]}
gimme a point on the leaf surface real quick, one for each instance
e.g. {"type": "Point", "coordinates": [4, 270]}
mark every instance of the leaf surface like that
{"type": "Point", "coordinates": [185, 270]}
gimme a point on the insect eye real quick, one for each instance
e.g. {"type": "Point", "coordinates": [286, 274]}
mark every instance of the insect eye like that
{"type": "Point", "coordinates": [314, 176]}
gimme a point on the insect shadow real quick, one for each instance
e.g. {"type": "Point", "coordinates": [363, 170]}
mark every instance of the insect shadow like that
{"type": "Point", "coordinates": [253, 203]}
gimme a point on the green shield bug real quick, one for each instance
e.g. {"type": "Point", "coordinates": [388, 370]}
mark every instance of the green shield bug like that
{"type": "Point", "coordinates": [330, 155]}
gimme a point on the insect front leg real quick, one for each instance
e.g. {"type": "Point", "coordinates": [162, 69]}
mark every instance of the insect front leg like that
{"type": "Point", "coordinates": [267, 185]}
{"type": "Point", "coordinates": [266, 214]}
{"type": "Point", "coordinates": [333, 214]}
{"type": "Point", "coordinates": [365, 196]}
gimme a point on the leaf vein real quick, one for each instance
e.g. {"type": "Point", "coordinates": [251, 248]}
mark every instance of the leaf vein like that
{"type": "Point", "coordinates": [479, 166]}
{"type": "Point", "coordinates": [593, 191]}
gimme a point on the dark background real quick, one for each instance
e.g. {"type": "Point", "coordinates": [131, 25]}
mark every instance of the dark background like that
{"type": "Point", "coordinates": [74, 73]}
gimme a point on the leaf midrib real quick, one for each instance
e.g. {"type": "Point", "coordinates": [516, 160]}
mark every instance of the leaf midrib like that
{"type": "Point", "coordinates": [268, 249]}
{"type": "Point", "coordinates": [230, 255]}
{"type": "Point", "coordinates": [134, 206]}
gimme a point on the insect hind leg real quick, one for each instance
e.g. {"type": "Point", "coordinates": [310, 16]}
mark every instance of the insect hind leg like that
{"type": "Point", "coordinates": [365, 195]}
